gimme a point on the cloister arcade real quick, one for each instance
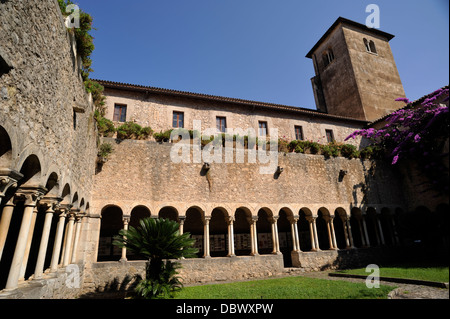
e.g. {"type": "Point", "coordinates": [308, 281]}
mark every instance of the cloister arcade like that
{"type": "Point", "coordinates": [41, 215]}
{"type": "Point", "coordinates": [222, 230]}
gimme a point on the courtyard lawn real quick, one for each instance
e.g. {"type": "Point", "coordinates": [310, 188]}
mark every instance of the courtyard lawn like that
{"type": "Point", "coordinates": [418, 272]}
{"type": "Point", "coordinates": [286, 288]}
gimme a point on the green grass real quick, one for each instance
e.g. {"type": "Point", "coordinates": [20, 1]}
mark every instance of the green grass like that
{"type": "Point", "coordinates": [419, 272]}
{"type": "Point", "coordinates": [286, 288]}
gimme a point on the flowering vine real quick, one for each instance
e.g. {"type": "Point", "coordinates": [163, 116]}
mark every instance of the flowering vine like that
{"type": "Point", "coordinates": [419, 132]}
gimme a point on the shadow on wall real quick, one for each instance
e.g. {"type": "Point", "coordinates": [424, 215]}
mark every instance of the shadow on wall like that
{"type": "Point", "coordinates": [114, 289]}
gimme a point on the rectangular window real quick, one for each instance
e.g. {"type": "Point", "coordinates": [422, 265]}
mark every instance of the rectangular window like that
{"type": "Point", "coordinates": [262, 128]}
{"type": "Point", "coordinates": [330, 136]}
{"type": "Point", "coordinates": [178, 120]}
{"type": "Point", "coordinates": [299, 133]}
{"type": "Point", "coordinates": [221, 123]}
{"type": "Point", "coordinates": [120, 113]}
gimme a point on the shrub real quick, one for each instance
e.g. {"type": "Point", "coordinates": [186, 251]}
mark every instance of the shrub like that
{"type": "Point", "coordinates": [105, 127]}
{"type": "Point", "coordinates": [105, 149]}
{"type": "Point", "coordinates": [162, 136]}
{"type": "Point", "coordinates": [131, 130]}
{"type": "Point", "coordinates": [349, 151]}
{"type": "Point", "coordinates": [299, 149]}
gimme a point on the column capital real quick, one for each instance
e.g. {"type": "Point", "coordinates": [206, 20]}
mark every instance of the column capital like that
{"type": "Point", "coordinates": [126, 219]}
{"type": "Point", "coordinates": [8, 178]}
{"type": "Point", "coordinates": [230, 219]}
{"type": "Point", "coordinates": [31, 195]}
{"type": "Point", "coordinates": [50, 203]}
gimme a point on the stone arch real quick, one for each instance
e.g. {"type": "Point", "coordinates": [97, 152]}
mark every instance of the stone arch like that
{"type": "Point", "coordinates": [31, 170]}
{"type": "Point", "coordinates": [218, 231]}
{"type": "Point", "coordinates": [304, 231]}
{"type": "Point", "coordinates": [372, 226]}
{"type": "Point", "coordinates": [137, 213]}
{"type": "Point", "coordinates": [193, 224]}
{"type": "Point", "coordinates": [75, 201]}
{"type": "Point", "coordinates": [339, 227]}
{"type": "Point", "coordinates": [52, 185]}
{"type": "Point", "coordinates": [264, 230]}
{"type": "Point", "coordinates": [111, 224]}
{"type": "Point", "coordinates": [323, 216]}
{"type": "Point", "coordinates": [168, 212]}
{"type": "Point", "coordinates": [243, 219]}
{"type": "Point", "coordinates": [6, 151]}
{"type": "Point", "coordinates": [65, 194]}
{"type": "Point", "coordinates": [386, 225]}
{"type": "Point", "coordinates": [357, 227]}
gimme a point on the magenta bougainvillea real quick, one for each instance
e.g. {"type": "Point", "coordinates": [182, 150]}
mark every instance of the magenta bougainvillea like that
{"type": "Point", "coordinates": [417, 131]}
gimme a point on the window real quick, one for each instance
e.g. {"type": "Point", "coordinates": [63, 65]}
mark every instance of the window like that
{"type": "Point", "coordinates": [370, 46]}
{"type": "Point", "coordinates": [120, 113]}
{"type": "Point", "coordinates": [330, 136]}
{"type": "Point", "coordinates": [262, 128]}
{"type": "Point", "coordinates": [178, 120]}
{"type": "Point", "coordinates": [298, 133]}
{"type": "Point", "coordinates": [327, 57]}
{"type": "Point", "coordinates": [221, 124]}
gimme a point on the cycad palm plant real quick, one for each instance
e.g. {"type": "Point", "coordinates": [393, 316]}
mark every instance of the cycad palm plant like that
{"type": "Point", "coordinates": [158, 241]}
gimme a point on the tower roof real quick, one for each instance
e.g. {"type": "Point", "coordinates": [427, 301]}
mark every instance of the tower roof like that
{"type": "Point", "coordinates": [342, 20]}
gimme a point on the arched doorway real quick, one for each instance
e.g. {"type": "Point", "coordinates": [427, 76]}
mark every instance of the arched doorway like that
{"type": "Point", "coordinates": [285, 236]}
{"type": "Point", "coordinates": [339, 228]}
{"type": "Point", "coordinates": [137, 213]}
{"type": "Point", "coordinates": [242, 236]}
{"type": "Point", "coordinates": [323, 216]}
{"type": "Point", "coordinates": [111, 224]}
{"type": "Point", "coordinates": [193, 224]}
{"type": "Point", "coordinates": [218, 233]}
{"type": "Point", "coordinates": [304, 229]}
{"type": "Point", "coordinates": [168, 212]}
{"type": "Point", "coordinates": [357, 227]}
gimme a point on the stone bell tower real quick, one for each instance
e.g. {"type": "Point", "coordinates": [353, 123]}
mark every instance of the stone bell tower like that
{"type": "Point", "coordinates": [356, 75]}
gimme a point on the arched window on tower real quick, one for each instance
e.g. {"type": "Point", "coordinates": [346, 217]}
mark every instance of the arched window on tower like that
{"type": "Point", "coordinates": [370, 46]}
{"type": "Point", "coordinates": [328, 57]}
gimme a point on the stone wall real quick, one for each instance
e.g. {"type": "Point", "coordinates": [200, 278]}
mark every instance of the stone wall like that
{"type": "Point", "coordinates": [142, 173]}
{"type": "Point", "coordinates": [156, 111]}
{"type": "Point", "coordinates": [44, 107]}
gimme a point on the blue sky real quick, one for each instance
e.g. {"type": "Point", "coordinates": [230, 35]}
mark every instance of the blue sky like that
{"type": "Point", "coordinates": [255, 49]}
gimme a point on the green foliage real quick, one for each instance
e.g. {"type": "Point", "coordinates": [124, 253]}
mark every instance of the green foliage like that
{"type": "Point", "coordinates": [84, 41]}
{"type": "Point", "coordinates": [105, 149]}
{"type": "Point", "coordinates": [131, 130]}
{"type": "Point", "coordinates": [349, 151]}
{"type": "Point", "coordinates": [157, 240]}
{"type": "Point", "coordinates": [105, 127]}
{"type": "Point", "coordinates": [162, 136]}
{"type": "Point", "coordinates": [96, 89]}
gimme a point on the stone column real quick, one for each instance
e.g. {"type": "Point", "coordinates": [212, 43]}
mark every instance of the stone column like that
{"type": "Point", "coordinates": [230, 222]}
{"type": "Point", "coordinates": [366, 234]}
{"type": "Point", "coordinates": [349, 230]}
{"type": "Point", "coordinates": [78, 220]}
{"type": "Point", "coordinates": [311, 232]}
{"type": "Point", "coordinates": [333, 234]}
{"type": "Point", "coordinates": [276, 243]}
{"type": "Point", "coordinates": [206, 237]}
{"type": "Point", "coordinates": [361, 231]}
{"type": "Point", "coordinates": [8, 179]}
{"type": "Point", "coordinates": [254, 236]}
{"type": "Point", "coordinates": [39, 270]}
{"type": "Point", "coordinates": [316, 238]}
{"type": "Point", "coordinates": [58, 240]}
{"type": "Point", "coordinates": [381, 230]}
{"type": "Point", "coordinates": [294, 231]}
{"type": "Point", "coordinates": [28, 246]}
{"type": "Point", "coordinates": [31, 197]}
{"type": "Point", "coordinates": [125, 220]}
{"type": "Point", "coordinates": [330, 239]}
{"type": "Point", "coordinates": [182, 219]}
{"type": "Point", "coordinates": [5, 222]}
{"type": "Point", "coordinates": [68, 244]}
{"type": "Point", "coordinates": [344, 226]}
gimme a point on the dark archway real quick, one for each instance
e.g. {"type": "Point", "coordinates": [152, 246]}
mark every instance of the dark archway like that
{"type": "Point", "coordinates": [242, 238]}
{"type": "Point", "coordinates": [193, 224]}
{"type": "Point", "coordinates": [322, 230]}
{"type": "Point", "coordinates": [218, 233]}
{"type": "Point", "coordinates": [304, 229]}
{"type": "Point", "coordinates": [285, 236]}
{"type": "Point", "coordinates": [264, 231]}
{"type": "Point", "coordinates": [111, 224]}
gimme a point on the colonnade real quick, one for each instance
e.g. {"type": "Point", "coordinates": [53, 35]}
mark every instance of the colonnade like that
{"type": "Point", "coordinates": [31, 201]}
{"type": "Point", "coordinates": [345, 231]}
